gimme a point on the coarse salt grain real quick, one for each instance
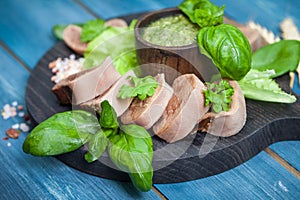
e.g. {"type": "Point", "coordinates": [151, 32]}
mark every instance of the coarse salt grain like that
{"type": "Point", "coordinates": [62, 68]}
{"type": "Point", "coordinates": [24, 127]}
{"type": "Point", "coordinates": [21, 114]}
{"type": "Point", "coordinates": [9, 144]}
{"type": "Point", "coordinates": [15, 126]}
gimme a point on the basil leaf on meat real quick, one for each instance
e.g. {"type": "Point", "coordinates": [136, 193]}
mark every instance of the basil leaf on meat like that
{"type": "Point", "coordinates": [228, 48]}
{"type": "Point", "coordinates": [131, 151]}
{"type": "Point", "coordinates": [61, 133]}
{"type": "Point", "coordinates": [282, 56]}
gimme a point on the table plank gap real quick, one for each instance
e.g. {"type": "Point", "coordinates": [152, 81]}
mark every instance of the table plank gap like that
{"type": "Point", "coordinates": [15, 56]}
{"type": "Point", "coordinates": [283, 162]}
{"type": "Point", "coordinates": [86, 8]}
{"type": "Point", "coordinates": [159, 193]}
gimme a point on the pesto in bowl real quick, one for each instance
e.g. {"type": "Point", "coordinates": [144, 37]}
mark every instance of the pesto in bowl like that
{"type": "Point", "coordinates": [175, 30]}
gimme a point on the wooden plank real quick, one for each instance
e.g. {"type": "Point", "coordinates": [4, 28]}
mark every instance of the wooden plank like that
{"type": "Point", "coordinates": [289, 151]}
{"type": "Point", "coordinates": [110, 9]}
{"type": "Point", "coordinates": [259, 178]}
{"type": "Point", "coordinates": [26, 177]}
{"type": "Point", "coordinates": [26, 27]}
{"type": "Point", "coordinates": [267, 13]}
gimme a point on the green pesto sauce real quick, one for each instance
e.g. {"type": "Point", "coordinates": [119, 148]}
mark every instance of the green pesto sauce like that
{"type": "Point", "coordinates": [174, 30]}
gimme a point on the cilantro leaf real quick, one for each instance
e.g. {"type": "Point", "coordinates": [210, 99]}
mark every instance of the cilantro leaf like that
{"type": "Point", "coordinates": [91, 29]}
{"type": "Point", "coordinates": [219, 96]}
{"type": "Point", "coordinates": [143, 87]}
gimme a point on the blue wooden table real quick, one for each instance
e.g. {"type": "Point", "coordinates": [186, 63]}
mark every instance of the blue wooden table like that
{"type": "Point", "coordinates": [25, 36]}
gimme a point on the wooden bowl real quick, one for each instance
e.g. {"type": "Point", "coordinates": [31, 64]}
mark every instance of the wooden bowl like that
{"type": "Point", "coordinates": [174, 60]}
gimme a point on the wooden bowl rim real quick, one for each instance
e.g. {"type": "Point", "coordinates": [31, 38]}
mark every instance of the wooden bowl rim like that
{"type": "Point", "coordinates": [152, 14]}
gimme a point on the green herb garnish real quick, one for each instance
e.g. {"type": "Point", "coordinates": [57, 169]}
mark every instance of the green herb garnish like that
{"type": "Point", "coordinates": [63, 132]}
{"type": "Point", "coordinates": [219, 96]}
{"type": "Point", "coordinates": [130, 146]}
{"type": "Point", "coordinates": [202, 12]}
{"type": "Point", "coordinates": [143, 88]}
{"type": "Point", "coordinates": [91, 29]}
{"type": "Point", "coordinates": [258, 85]}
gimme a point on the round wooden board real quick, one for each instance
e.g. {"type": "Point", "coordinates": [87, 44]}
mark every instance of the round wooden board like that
{"type": "Point", "coordinates": [197, 156]}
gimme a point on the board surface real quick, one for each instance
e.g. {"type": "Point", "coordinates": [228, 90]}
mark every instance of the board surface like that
{"type": "Point", "coordinates": [197, 156]}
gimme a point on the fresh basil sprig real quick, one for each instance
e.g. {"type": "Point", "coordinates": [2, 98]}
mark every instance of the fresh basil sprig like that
{"type": "Point", "coordinates": [129, 146]}
{"type": "Point", "coordinates": [203, 12]}
{"type": "Point", "coordinates": [61, 133]}
{"type": "Point", "coordinates": [131, 151]}
{"type": "Point", "coordinates": [228, 48]}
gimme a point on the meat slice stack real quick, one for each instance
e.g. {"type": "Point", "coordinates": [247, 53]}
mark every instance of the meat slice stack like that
{"type": "Point", "coordinates": [120, 105]}
{"type": "Point", "coordinates": [225, 124]}
{"type": "Point", "coordinates": [146, 112]}
{"type": "Point", "coordinates": [88, 84]}
{"type": "Point", "coordinates": [184, 110]}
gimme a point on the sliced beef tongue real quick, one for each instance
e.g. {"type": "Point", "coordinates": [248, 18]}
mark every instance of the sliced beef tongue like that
{"type": "Point", "coordinates": [146, 112]}
{"type": "Point", "coordinates": [87, 84]}
{"type": "Point", "coordinates": [229, 123]}
{"type": "Point", "coordinates": [120, 105]}
{"type": "Point", "coordinates": [184, 110]}
{"type": "Point", "coordinates": [71, 37]}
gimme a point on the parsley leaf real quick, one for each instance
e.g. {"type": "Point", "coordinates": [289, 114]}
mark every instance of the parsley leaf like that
{"type": "Point", "coordinates": [91, 29]}
{"type": "Point", "coordinates": [143, 87]}
{"type": "Point", "coordinates": [219, 95]}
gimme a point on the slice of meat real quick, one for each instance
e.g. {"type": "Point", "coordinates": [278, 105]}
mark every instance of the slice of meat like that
{"type": "Point", "coordinates": [87, 84]}
{"type": "Point", "coordinates": [71, 37]}
{"type": "Point", "coordinates": [184, 110]}
{"type": "Point", "coordinates": [120, 105]}
{"type": "Point", "coordinates": [116, 22]}
{"type": "Point", "coordinates": [145, 113]}
{"type": "Point", "coordinates": [229, 123]}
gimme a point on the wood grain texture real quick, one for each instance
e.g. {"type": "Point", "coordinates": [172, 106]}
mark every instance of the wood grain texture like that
{"type": "Point", "coordinates": [289, 151]}
{"type": "Point", "coordinates": [267, 13]}
{"type": "Point", "coordinates": [265, 124]}
{"type": "Point", "coordinates": [26, 27]}
{"type": "Point", "coordinates": [47, 178]}
{"type": "Point", "coordinates": [116, 8]}
{"type": "Point", "coordinates": [259, 178]}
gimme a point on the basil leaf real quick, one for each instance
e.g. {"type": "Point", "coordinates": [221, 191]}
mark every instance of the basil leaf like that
{"type": "Point", "coordinates": [108, 117]}
{"type": "Point", "coordinates": [96, 146]}
{"type": "Point", "coordinates": [228, 48]}
{"type": "Point", "coordinates": [282, 56]}
{"type": "Point", "coordinates": [202, 12]}
{"type": "Point", "coordinates": [91, 29]}
{"type": "Point", "coordinates": [61, 133]}
{"type": "Point", "coordinates": [131, 151]}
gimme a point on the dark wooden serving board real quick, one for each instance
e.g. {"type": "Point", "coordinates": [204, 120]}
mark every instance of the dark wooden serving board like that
{"type": "Point", "coordinates": [197, 156]}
